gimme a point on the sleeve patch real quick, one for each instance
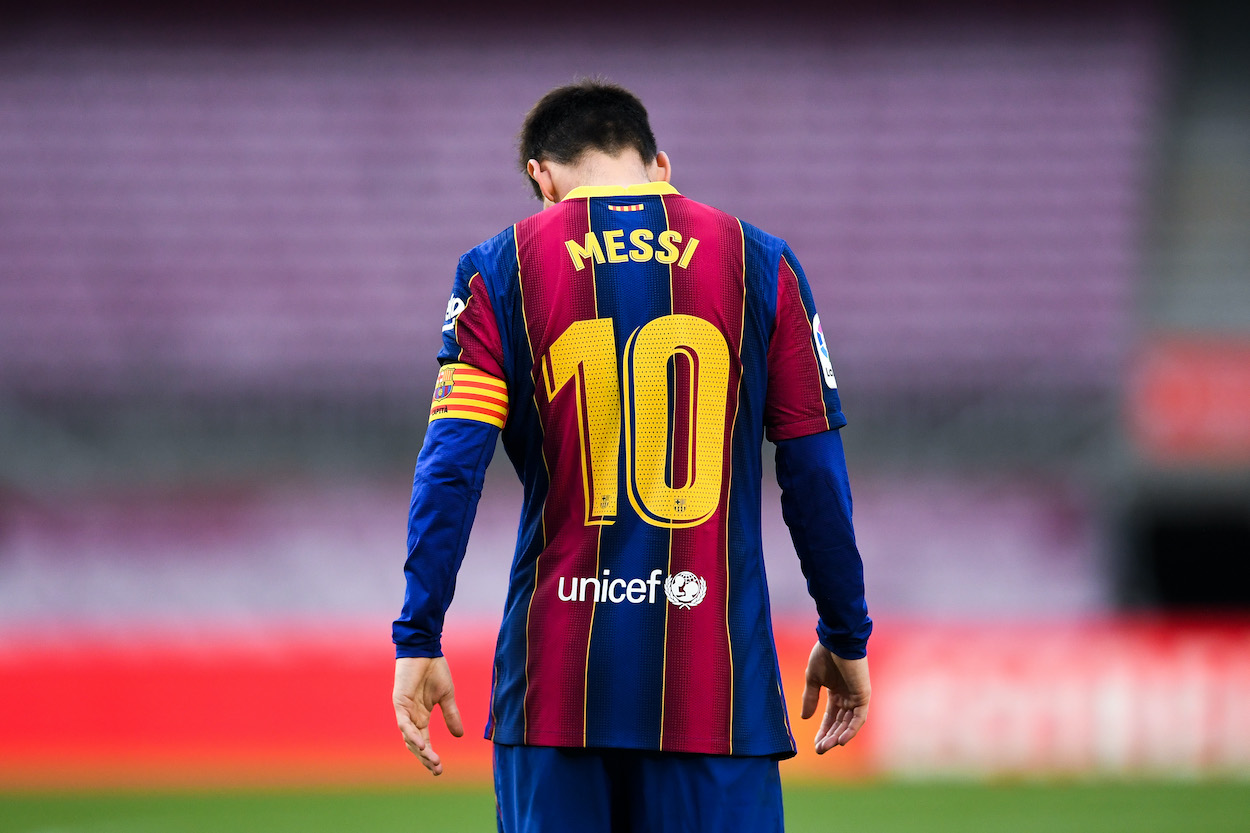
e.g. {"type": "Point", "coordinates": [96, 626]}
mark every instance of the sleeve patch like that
{"type": "Point", "coordinates": [464, 392]}
{"type": "Point", "coordinates": [822, 349]}
{"type": "Point", "coordinates": [455, 306]}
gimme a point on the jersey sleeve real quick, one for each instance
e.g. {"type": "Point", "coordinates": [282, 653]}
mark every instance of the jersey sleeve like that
{"type": "Point", "coordinates": [470, 329]}
{"type": "Point", "coordinates": [469, 408]}
{"type": "Point", "coordinates": [446, 486]}
{"type": "Point", "coordinates": [816, 506]}
{"type": "Point", "coordinates": [802, 393]}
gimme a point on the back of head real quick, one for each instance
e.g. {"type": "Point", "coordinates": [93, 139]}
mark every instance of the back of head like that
{"type": "Point", "coordinates": [584, 116]}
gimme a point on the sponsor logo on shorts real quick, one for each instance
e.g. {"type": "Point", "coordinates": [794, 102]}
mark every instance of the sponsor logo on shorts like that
{"type": "Point", "coordinates": [684, 590]}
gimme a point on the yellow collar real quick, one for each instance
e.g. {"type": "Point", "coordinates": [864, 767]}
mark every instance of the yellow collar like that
{"type": "Point", "coordinates": [641, 189]}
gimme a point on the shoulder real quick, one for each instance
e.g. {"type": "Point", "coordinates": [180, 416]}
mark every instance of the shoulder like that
{"type": "Point", "coordinates": [757, 243]}
{"type": "Point", "coordinates": [501, 250]}
{"type": "Point", "coordinates": [488, 253]}
{"type": "Point", "coordinates": [756, 236]}
{"type": "Point", "coordinates": [552, 218]}
{"type": "Point", "coordinates": [762, 250]}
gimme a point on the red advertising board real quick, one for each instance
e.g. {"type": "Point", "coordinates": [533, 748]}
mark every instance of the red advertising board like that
{"type": "Point", "coordinates": [284, 708]}
{"type": "Point", "coordinates": [1189, 401]}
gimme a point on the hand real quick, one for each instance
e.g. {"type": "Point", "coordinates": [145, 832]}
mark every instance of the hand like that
{"type": "Point", "coordinates": [420, 684]}
{"type": "Point", "coordinates": [849, 692]}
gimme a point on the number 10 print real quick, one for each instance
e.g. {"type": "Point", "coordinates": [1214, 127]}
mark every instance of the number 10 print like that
{"type": "Point", "coordinates": [672, 382]}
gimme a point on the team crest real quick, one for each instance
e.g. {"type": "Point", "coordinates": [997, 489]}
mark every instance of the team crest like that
{"type": "Point", "coordinates": [822, 349]}
{"type": "Point", "coordinates": [685, 589]}
{"type": "Point", "coordinates": [442, 388]}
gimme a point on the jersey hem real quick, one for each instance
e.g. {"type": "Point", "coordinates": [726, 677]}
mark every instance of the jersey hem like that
{"type": "Point", "coordinates": [704, 746]}
{"type": "Point", "coordinates": [413, 652]}
{"type": "Point", "coordinates": [775, 756]}
{"type": "Point", "coordinates": [806, 427]}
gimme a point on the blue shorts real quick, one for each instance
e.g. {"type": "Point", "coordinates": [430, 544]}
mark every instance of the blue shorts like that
{"type": "Point", "coordinates": [544, 789]}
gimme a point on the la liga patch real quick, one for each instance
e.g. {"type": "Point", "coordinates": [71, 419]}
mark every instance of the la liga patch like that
{"type": "Point", "coordinates": [822, 350]}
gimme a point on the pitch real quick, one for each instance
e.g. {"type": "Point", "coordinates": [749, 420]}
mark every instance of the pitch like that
{"type": "Point", "coordinates": [1141, 807]}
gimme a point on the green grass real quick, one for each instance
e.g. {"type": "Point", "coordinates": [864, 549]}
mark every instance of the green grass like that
{"type": "Point", "coordinates": [1137, 807]}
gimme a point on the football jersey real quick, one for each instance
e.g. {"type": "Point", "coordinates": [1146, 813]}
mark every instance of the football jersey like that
{"type": "Point", "coordinates": [635, 347]}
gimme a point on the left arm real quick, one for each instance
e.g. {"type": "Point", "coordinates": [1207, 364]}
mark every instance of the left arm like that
{"type": "Point", "coordinates": [803, 415]}
{"type": "Point", "coordinates": [469, 409]}
{"type": "Point", "coordinates": [445, 491]}
{"type": "Point", "coordinates": [446, 486]}
{"type": "Point", "coordinates": [816, 506]}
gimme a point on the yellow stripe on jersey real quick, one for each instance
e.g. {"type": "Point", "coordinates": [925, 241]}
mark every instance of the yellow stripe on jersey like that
{"type": "Point", "coordinates": [464, 392]}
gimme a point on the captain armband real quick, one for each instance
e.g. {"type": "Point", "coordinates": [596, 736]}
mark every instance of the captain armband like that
{"type": "Point", "coordinates": [464, 392]}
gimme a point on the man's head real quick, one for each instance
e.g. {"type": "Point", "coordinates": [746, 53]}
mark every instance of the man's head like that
{"type": "Point", "coordinates": [582, 119]}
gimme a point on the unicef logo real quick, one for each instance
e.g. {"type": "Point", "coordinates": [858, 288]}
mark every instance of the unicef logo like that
{"type": "Point", "coordinates": [685, 589]}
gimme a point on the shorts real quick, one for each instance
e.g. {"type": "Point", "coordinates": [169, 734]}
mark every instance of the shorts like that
{"type": "Point", "coordinates": [544, 789]}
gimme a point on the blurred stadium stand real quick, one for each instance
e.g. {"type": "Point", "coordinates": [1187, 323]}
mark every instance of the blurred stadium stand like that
{"type": "Point", "coordinates": [226, 261]}
{"type": "Point", "coordinates": [203, 232]}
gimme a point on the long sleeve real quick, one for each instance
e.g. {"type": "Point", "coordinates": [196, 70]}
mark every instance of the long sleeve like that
{"type": "Point", "coordinates": [445, 490]}
{"type": "Point", "coordinates": [816, 506]}
{"type": "Point", "coordinates": [469, 408]}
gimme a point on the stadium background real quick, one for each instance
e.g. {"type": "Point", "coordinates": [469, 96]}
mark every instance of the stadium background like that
{"type": "Point", "coordinates": [226, 242]}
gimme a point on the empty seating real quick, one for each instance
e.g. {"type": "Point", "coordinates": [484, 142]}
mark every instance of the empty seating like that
{"type": "Point", "coordinates": [286, 220]}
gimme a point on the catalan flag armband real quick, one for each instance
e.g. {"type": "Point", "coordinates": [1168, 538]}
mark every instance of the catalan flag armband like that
{"type": "Point", "coordinates": [464, 392]}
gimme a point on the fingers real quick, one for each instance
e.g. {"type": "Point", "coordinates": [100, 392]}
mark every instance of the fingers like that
{"type": "Point", "coordinates": [417, 739]}
{"type": "Point", "coordinates": [817, 672]}
{"type": "Point", "coordinates": [421, 683]}
{"type": "Point", "coordinates": [409, 731]}
{"type": "Point", "coordinates": [811, 698]}
{"type": "Point", "coordinates": [827, 724]}
{"type": "Point", "coordinates": [416, 733]}
{"type": "Point", "coordinates": [451, 715]}
{"type": "Point", "coordinates": [840, 725]}
{"type": "Point", "coordinates": [421, 747]}
{"type": "Point", "coordinates": [429, 758]}
{"type": "Point", "coordinates": [853, 725]}
{"type": "Point", "coordinates": [846, 706]}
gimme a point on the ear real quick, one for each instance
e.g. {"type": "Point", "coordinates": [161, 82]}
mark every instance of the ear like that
{"type": "Point", "coordinates": [540, 174]}
{"type": "Point", "coordinates": [661, 170]}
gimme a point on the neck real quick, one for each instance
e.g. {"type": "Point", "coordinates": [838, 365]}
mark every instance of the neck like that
{"type": "Point", "coordinates": [597, 168]}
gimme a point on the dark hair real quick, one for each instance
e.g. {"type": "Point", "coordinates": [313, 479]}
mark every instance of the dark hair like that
{"type": "Point", "coordinates": [590, 114]}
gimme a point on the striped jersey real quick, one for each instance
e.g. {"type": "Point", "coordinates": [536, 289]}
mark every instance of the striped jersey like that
{"type": "Point", "coordinates": [635, 347]}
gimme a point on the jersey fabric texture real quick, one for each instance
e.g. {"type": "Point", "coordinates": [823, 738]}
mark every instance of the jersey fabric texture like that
{"type": "Point", "coordinates": [636, 347]}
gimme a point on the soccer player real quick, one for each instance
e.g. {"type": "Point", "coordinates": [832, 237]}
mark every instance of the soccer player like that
{"type": "Point", "coordinates": [634, 347]}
